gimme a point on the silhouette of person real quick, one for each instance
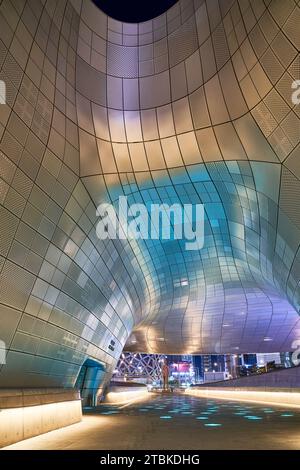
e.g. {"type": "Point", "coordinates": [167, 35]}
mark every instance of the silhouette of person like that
{"type": "Point", "coordinates": [165, 375]}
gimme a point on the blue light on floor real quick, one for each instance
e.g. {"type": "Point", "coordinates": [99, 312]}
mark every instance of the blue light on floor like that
{"type": "Point", "coordinates": [213, 425]}
{"type": "Point", "coordinates": [254, 418]}
{"type": "Point", "coordinates": [287, 415]}
{"type": "Point", "coordinates": [166, 417]}
{"type": "Point", "coordinates": [201, 417]}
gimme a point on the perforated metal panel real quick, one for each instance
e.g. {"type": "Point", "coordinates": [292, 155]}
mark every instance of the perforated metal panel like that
{"type": "Point", "coordinates": [194, 106]}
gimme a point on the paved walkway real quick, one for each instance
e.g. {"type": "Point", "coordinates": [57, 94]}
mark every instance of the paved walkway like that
{"type": "Point", "coordinates": [177, 422]}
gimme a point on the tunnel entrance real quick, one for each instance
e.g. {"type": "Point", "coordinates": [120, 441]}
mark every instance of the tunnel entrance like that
{"type": "Point", "coordinates": [89, 381]}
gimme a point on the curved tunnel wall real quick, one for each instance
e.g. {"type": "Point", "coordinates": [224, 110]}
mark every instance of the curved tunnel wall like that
{"type": "Point", "coordinates": [193, 106]}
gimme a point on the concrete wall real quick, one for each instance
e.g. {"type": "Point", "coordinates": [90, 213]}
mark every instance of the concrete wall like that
{"type": "Point", "coordinates": [124, 393]}
{"type": "Point", "coordinates": [286, 378]}
{"type": "Point", "coordinates": [28, 413]}
{"type": "Point", "coordinates": [287, 398]}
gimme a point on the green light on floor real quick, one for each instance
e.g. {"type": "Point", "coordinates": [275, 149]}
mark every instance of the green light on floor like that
{"type": "Point", "coordinates": [253, 418]}
{"type": "Point", "coordinates": [286, 415]}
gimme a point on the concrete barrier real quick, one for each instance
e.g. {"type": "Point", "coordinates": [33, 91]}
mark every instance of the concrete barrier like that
{"type": "Point", "coordinates": [269, 396]}
{"type": "Point", "coordinates": [282, 378]}
{"type": "Point", "coordinates": [120, 393]}
{"type": "Point", "coordinates": [30, 412]}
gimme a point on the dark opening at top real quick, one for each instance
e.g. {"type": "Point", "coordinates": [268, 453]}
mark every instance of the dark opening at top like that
{"type": "Point", "coordinates": [134, 11]}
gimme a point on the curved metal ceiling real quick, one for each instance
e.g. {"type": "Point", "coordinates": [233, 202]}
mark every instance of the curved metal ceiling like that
{"type": "Point", "coordinates": [193, 106]}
